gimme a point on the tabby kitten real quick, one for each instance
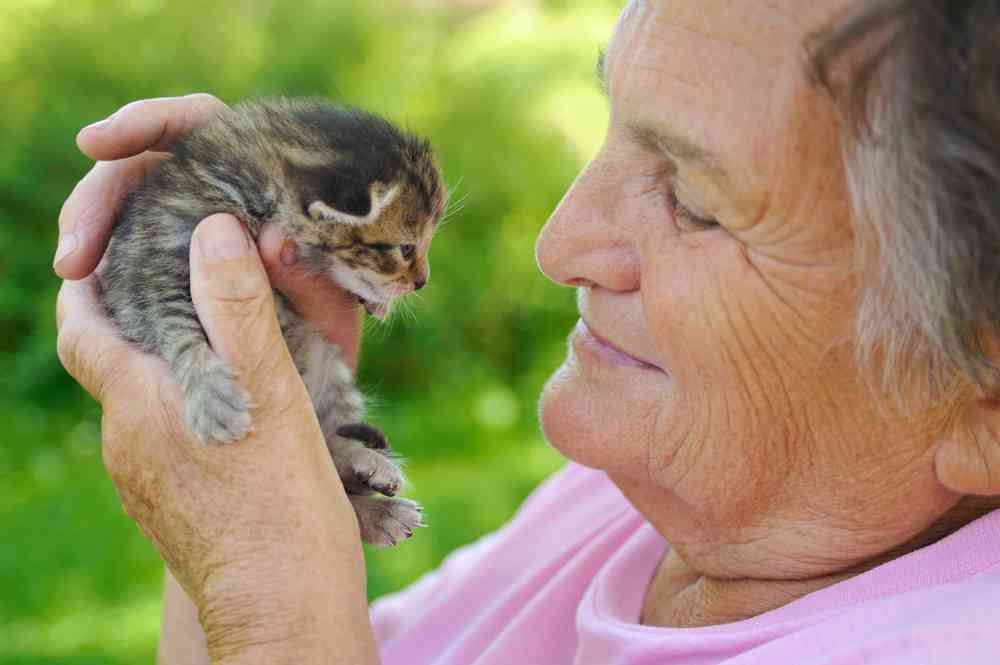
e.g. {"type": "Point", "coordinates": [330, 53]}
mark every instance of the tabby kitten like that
{"type": "Point", "coordinates": [359, 198]}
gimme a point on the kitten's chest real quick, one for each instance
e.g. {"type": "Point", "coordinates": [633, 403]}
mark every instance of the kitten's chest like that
{"type": "Point", "coordinates": [320, 362]}
{"type": "Point", "coordinates": [295, 331]}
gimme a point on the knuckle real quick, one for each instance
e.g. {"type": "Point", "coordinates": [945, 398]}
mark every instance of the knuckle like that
{"type": "Point", "coordinates": [236, 288]}
{"type": "Point", "coordinates": [62, 310]}
{"type": "Point", "coordinates": [68, 348]}
{"type": "Point", "coordinates": [248, 312]}
{"type": "Point", "coordinates": [93, 367]}
{"type": "Point", "coordinates": [202, 106]}
{"type": "Point", "coordinates": [205, 100]}
{"type": "Point", "coordinates": [126, 113]}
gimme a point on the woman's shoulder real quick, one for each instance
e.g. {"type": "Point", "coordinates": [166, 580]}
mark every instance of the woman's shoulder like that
{"type": "Point", "coordinates": [567, 527]}
{"type": "Point", "coordinates": [560, 514]}
{"type": "Point", "coordinates": [954, 622]}
{"type": "Point", "coordinates": [935, 605]}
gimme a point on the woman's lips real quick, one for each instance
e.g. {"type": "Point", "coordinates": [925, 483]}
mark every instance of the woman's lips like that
{"type": "Point", "coordinates": [587, 342]}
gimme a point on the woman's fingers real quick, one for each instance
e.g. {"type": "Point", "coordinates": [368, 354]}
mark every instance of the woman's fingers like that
{"type": "Point", "coordinates": [132, 136]}
{"type": "Point", "coordinates": [89, 213]}
{"type": "Point", "coordinates": [235, 304]}
{"type": "Point", "coordinates": [148, 124]}
{"type": "Point", "coordinates": [89, 346]}
{"type": "Point", "coordinates": [329, 309]}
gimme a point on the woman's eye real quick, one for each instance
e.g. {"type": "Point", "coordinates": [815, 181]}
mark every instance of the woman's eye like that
{"type": "Point", "coordinates": [407, 251]}
{"type": "Point", "coordinates": [686, 220]}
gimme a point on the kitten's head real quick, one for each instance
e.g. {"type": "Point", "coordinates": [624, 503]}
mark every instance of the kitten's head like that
{"type": "Point", "coordinates": [369, 216]}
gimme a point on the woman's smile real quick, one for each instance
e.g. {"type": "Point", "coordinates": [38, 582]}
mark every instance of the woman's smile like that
{"type": "Point", "coordinates": [592, 346]}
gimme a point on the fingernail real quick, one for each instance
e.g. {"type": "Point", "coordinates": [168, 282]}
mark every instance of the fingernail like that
{"type": "Point", "coordinates": [288, 257]}
{"type": "Point", "coordinates": [99, 125]}
{"type": "Point", "coordinates": [67, 245]}
{"type": "Point", "coordinates": [223, 239]}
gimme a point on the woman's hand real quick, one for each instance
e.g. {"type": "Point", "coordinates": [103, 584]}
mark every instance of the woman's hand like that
{"type": "Point", "coordinates": [259, 533]}
{"type": "Point", "coordinates": [134, 140]}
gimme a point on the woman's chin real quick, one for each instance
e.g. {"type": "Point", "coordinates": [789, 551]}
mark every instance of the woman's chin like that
{"type": "Point", "coordinates": [587, 423]}
{"type": "Point", "coordinates": [557, 408]}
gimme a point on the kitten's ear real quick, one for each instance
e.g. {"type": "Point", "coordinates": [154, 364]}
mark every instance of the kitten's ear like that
{"type": "Point", "coordinates": [356, 208]}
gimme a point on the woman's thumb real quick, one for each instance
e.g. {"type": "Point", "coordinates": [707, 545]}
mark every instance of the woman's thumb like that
{"type": "Point", "coordinates": [234, 301]}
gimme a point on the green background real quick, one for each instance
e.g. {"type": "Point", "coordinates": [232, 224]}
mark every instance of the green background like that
{"type": "Point", "coordinates": [507, 94]}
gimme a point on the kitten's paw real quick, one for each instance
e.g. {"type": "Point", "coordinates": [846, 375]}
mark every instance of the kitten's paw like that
{"type": "Point", "coordinates": [217, 408]}
{"type": "Point", "coordinates": [373, 470]}
{"type": "Point", "coordinates": [384, 521]}
{"type": "Point", "coordinates": [372, 437]}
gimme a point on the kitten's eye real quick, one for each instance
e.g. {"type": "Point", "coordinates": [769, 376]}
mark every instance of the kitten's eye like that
{"type": "Point", "coordinates": [407, 251]}
{"type": "Point", "coordinates": [381, 246]}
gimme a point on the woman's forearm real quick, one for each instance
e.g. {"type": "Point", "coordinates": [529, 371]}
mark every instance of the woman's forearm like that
{"type": "Point", "coordinates": [182, 641]}
{"type": "Point", "coordinates": [304, 610]}
{"type": "Point", "coordinates": [300, 610]}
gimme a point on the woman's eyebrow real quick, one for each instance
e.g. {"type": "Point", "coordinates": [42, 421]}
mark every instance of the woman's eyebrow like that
{"type": "Point", "coordinates": [678, 148]}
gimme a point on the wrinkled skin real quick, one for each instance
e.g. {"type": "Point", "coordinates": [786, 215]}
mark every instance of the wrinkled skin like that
{"type": "Point", "coordinates": [745, 434]}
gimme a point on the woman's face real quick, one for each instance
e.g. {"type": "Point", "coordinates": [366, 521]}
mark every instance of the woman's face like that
{"type": "Point", "coordinates": [711, 247]}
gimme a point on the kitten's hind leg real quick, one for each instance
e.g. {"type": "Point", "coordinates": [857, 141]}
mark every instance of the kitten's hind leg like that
{"type": "Point", "coordinates": [385, 521]}
{"type": "Point", "coordinates": [359, 451]}
{"type": "Point", "coordinates": [216, 407]}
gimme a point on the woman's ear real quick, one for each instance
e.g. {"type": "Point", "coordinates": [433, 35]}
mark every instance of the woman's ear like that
{"type": "Point", "coordinates": [968, 458]}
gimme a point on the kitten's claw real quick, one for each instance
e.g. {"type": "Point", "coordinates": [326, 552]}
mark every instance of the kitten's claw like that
{"type": "Point", "coordinates": [217, 409]}
{"type": "Point", "coordinates": [386, 522]}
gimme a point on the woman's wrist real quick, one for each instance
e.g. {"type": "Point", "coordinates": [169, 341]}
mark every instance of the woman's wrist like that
{"type": "Point", "coordinates": [322, 620]}
{"type": "Point", "coordinates": [301, 601]}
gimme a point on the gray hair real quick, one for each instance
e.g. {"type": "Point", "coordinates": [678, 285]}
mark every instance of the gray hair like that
{"type": "Point", "coordinates": [922, 98]}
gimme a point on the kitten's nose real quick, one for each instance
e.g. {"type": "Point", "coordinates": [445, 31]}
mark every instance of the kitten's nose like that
{"type": "Point", "coordinates": [419, 284]}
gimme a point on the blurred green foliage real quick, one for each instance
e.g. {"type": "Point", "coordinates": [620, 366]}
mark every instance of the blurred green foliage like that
{"type": "Point", "coordinates": [507, 95]}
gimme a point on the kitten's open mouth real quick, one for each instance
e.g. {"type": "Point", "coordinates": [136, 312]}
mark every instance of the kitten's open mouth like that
{"type": "Point", "coordinates": [377, 309]}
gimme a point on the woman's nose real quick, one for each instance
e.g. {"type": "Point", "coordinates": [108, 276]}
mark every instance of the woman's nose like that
{"type": "Point", "coordinates": [586, 242]}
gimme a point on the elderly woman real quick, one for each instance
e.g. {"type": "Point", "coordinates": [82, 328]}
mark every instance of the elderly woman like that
{"type": "Point", "coordinates": [780, 400]}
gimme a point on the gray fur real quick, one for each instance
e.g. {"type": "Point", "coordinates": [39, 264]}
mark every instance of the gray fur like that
{"type": "Point", "coordinates": [270, 162]}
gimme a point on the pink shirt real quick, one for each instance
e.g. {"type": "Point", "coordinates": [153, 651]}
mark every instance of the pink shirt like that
{"type": "Point", "coordinates": [563, 584]}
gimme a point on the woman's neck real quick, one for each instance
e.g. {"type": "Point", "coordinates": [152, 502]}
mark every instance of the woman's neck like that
{"type": "Point", "coordinates": [679, 596]}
